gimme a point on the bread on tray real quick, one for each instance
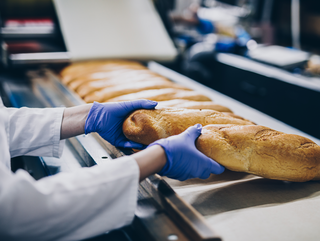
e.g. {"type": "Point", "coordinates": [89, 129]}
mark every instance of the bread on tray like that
{"type": "Point", "coordinates": [162, 94]}
{"type": "Point", "coordinates": [236, 143]}
{"type": "Point", "coordinates": [188, 104]}
{"type": "Point", "coordinates": [75, 70]}
{"type": "Point", "coordinates": [109, 76]}
{"type": "Point", "coordinates": [115, 91]}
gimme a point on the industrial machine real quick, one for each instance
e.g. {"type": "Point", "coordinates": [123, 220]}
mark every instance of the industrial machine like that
{"type": "Point", "coordinates": [231, 206]}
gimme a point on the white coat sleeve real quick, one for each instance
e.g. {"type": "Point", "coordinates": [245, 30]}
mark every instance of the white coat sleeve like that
{"type": "Point", "coordinates": [34, 131]}
{"type": "Point", "coordinates": [68, 206]}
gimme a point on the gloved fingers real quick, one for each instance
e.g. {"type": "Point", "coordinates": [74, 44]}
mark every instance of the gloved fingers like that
{"type": "Point", "coordinates": [210, 165]}
{"type": "Point", "coordinates": [216, 167]}
{"type": "Point", "coordinates": [139, 104]}
{"type": "Point", "coordinates": [131, 144]}
{"type": "Point", "coordinates": [193, 132]}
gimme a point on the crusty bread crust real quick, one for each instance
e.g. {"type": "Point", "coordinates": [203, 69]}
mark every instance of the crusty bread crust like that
{"type": "Point", "coordinates": [162, 94]}
{"type": "Point", "coordinates": [115, 91]}
{"type": "Point", "coordinates": [75, 70]}
{"type": "Point", "coordinates": [124, 73]}
{"type": "Point", "coordinates": [147, 126]}
{"type": "Point", "coordinates": [261, 151]}
{"type": "Point", "coordinates": [188, 104]}
{"type": "Point", "coordinates": [87, 88]}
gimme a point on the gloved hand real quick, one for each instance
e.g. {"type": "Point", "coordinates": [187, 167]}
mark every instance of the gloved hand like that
{"type": "Point", "coordinates": [107, 119]}
{"type": "Point", "coordinates": [184, 160]}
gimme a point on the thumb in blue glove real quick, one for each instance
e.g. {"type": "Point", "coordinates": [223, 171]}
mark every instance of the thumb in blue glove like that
{"type": "Point", "coordinates": [106, 119]}
{"type": "Point", "coordinates": [184, 160]}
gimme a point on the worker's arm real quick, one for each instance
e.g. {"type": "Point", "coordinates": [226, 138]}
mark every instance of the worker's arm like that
{"type": "Point", "coordinates": [37, 132]}
{"type": "Point", "coordinates": [68, 206]}
{"type": "Point", "coordinates": [84, 203]}
{"type": "Point", "coordinates": [91, 201]}
{"type": "Point", "coordinates": [34, 131]}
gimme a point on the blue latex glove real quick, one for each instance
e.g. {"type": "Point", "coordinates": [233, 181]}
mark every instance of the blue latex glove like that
{"type": "Point", "coordinates": [184, 160]}
{"type": "Point", "coordinates": [107, 119]}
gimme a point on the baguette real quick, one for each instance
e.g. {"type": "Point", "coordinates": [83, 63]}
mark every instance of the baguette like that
{"type": "Point", "coordinates": [112, 92]}
{"type": "Point", "coordinates": [92, 86]}
{"type": "Point", "coordinates": [261, 151]}
{"type": "Point", "coordinates": [77, 69]}
{"type": "Point", "coordinates": [147, 126]}
{"type": "Point", "coordinates": [187, 104]}
{"type": "Point", "coordinates": [162, 94]}
{"type": "Point", "coordinates": [106, 75]}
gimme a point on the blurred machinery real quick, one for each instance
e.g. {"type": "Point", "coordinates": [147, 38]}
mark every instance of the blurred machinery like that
{"type": "Point", "coordinates": [226, 44]}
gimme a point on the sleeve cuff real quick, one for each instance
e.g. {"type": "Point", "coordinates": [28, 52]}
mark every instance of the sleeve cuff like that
{"type": "Point", "coordinates": [57, 143]}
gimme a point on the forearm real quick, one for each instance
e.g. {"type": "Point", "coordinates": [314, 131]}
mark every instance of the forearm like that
{"type": "Point", "coordinates": [73, 121]}
{"type": "Point", "coordinates": [34, 131]}
{"type": "Point", "coordinates": [150, 161]}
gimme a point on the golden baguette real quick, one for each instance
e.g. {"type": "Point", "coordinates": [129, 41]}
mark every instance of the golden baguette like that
{"type": "Point", "coordinates": [105, 75]}
{"type": "Point", "coordinates": [112, 92]}
{"type": "Point", "coordinates": [188, 104]}
{"type": "Point", "coordinates": [261, 151]}
{"type": "Point", "coordinates": [92, 86]}
{"type": "Point", "coordinates": [147, 126]}
{"type": "Point", "coordinates": [162, 94]}
{"type": "Point", "coordinates": [77, 69]}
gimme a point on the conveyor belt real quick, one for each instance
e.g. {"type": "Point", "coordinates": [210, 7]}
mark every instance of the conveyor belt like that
{"type": "Point", "coordinates": [238, 206]}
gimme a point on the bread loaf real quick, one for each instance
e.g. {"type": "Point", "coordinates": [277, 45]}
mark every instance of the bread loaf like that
{"type": "Point", "coordinates": [147, 126]}
{"type": "Point", "coordinates": [78, 69]}
{"type": "Point", "coordinates": [235, 116]}
{"type": "Point", "coordinates": [112, 92]}
{"type": "Point", "coordinates": [261, 151]}
{"type": "Point", "coordinates": [162, 94]}
{"type": "Point", "coordinates": [106, 75]}
{"type": "Point", "coordinates": [187, 104]}
{"type": "Point", "coordinates": [88, 88]}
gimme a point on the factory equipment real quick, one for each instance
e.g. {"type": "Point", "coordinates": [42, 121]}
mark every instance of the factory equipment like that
{"type": "Point", "coordinates": [232, 206]}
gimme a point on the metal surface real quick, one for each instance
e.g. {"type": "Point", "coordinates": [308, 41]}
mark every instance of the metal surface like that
{"type": "Point", "coordinates": [39, 58]}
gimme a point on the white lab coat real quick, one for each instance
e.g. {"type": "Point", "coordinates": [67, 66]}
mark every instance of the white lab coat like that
{"type": "Point", "coordinates": [66, 206]}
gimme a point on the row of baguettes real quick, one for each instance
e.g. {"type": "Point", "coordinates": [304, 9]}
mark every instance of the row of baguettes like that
{"type": "Point", "coordinates": [241, 146]}
{"type": "Point", "coordinates": [121, 80]}
{"type": "Point", "coordinates": [234, 142]}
